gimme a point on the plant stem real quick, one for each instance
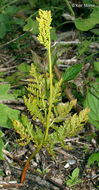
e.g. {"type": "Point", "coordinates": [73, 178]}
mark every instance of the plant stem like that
{"type": "Point", "coordinates": [70, 8]}
{"type": "Point", "coordinates": [8, 4]}
{"type": "Point", "coordinates": [50, 99]}
{"type": "Point", "coordinates": [28, 161]}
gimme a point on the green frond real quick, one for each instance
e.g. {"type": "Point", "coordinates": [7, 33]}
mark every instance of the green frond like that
{"type": "Point", "coordinates": [76, 123]}
{"type": "Point", "coordinates": [62, 110]}
{"type": "Point", "coordinates": [28, 127]}
{"type": "Point", "coordinates": [38, 137]}
{"type": "Point", "coordinates": [83, 115]}
{"type": "Point", "coordinates": [27, 133]}
{"type": "Point", "coordinates": [33, 107]}
{"type": "Point", "coordinates": [37, 102]}
{"type": "Point", "coordinates": [23, 142]}
{"type": "Point", "coordinates": [56, 92]}
{"type": "Point", "coordinates": [24, 135]}
{"type": "Point", "coordinates": [52, 140]}
{"type": "Point", "coordinates": [65, 108]}
{"type": "Point", "coordinates": [70, 128]}
{"type": "Point", "coordinates": [36, 83]}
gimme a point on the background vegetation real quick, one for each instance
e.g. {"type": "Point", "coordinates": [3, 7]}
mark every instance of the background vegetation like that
{"type": "Point", "coordinates": [19, 48]}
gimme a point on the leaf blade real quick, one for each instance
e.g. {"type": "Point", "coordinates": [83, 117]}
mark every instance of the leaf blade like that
{"type": "Point", "coordinates": [71, 72]}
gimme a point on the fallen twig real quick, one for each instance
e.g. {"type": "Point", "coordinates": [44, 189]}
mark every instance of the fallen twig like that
{"type": "Point", "coordinates": [7, 69]}
{"type": "Point", "coordinates": [67, 61]}
{"type": "Point", "coordinates": [10, 184]}
{"type": "Point", "coordinates": [13, 40]}
{"type": "Point", "coordinates": [66, 42]}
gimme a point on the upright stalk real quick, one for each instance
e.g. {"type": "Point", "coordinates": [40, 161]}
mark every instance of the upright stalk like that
{"type": "Point", "coordinates": [50, 99]}
{"type": "Point", "coordinates": [70, 8]}
{"type": "Point", "coordinates": [28, 161]}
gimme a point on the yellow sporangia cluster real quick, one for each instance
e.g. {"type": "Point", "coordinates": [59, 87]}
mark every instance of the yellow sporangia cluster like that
{"type": "Point", "coordinates": [44, 27]}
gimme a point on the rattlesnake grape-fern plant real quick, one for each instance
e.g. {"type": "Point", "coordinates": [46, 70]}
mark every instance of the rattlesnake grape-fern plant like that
{"type": "Point", "coordinates": [44, 104]}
